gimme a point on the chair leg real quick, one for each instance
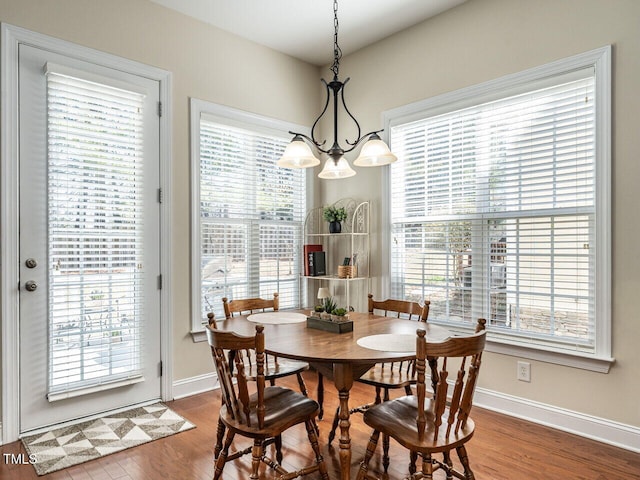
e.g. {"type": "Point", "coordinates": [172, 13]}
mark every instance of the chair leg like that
{"type": "Point", "coordinates": [222, 458]}
{"type": "Point", "coordinates": [464, 460]}
{"type": "Point", "coordinates": [371, 449]}
{"type": "Point", "coordinates": [219, 439]}
{"type": "Point", "coordinates": [427, 466]}
{"type": "Point", "coordinates": [278, 443]}
{"type": "Point", "coordinates": [320, 395]}
{"type": "Point", "coordinates": [313, 440]}
{"type": "Point", "coordinates": [303, 387]}
{"type": "Point", "coordinates": [334, 426]}
{"type": "Point", "coordinates": [413, 460]}
{"type": "Point", "coordinates": [378, 397]}
{"type": "Point", "coordinates": [449, 464]}
{"type": "Point", "coordinates": [385, 440]}
{"type": "Point", "coordinates": [385, 452]}
{"type": "Point", "coordinates": [256, 456]}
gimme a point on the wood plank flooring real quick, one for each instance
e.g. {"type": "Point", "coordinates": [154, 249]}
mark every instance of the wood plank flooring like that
{"type": "Point", "coordinates": [504, 448]}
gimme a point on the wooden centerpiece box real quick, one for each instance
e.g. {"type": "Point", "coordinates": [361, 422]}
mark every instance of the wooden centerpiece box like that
{"type": "Point", "coordinates": [330, 323]}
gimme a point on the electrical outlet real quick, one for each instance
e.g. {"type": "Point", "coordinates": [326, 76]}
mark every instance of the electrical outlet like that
{"type": "Point", "coordinates": [524, 371]}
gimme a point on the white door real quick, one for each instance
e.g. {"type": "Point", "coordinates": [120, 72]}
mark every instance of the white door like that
{"type": "Point", "coordinates": [89, 239]}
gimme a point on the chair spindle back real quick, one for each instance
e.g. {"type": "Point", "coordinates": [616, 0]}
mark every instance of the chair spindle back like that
{"type": "Point", "coordinates": [468, 351]}
{"type": "Point", "coordinates": [236, 394]}
{"type": "Point", "coordinates": [401, 308]}
{"type": "Point", "coordinates": [250, 305]}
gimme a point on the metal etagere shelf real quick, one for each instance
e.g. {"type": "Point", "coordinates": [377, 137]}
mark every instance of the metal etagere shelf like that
{"type": "Point", "coordinates": [352, 242]}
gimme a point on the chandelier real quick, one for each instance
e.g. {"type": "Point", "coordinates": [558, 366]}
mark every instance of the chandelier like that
{"type": "Point", "coordinates": [298, 153]}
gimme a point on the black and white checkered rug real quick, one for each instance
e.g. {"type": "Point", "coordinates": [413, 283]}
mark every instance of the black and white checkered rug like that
{"type": "Point", "coordinates": [68, 446]}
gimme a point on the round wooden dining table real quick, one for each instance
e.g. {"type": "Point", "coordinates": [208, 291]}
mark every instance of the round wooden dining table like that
{"type": "Point", "coordinates": [337, 355]}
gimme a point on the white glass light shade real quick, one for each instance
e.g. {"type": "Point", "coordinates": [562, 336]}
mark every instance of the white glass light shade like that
{"type": "Point", "coordinates": [375, 153]}
{"type": "Point", "coordinates": [341, 170]}
{"type": "Point", "coordinates": [298, 155]}
{"type": "Point", "coordinates": [323, 293]}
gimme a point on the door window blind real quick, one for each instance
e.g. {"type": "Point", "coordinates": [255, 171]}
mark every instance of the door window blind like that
{"type": "Point", "coordinates": [493, 213]}
{"type": "Point", "coordinates": [95, 224]}
{"type": "Point", "coordinates": [251, 215]}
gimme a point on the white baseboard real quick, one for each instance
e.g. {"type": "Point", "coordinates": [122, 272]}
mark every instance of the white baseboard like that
{"type": "Point", "coordinates": [595, 428]}
{"type": "Point", "coordinates": [193, 385]}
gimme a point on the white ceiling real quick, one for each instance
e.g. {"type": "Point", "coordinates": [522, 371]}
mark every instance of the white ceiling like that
{"type": "Point", "coordinates": [304, 28]}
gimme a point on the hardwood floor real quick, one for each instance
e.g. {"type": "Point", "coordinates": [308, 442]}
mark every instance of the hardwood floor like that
{"type": "Point", "coordinates": [504, 448]}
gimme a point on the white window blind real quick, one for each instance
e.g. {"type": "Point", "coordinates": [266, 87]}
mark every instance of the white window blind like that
{"type": "Point", "coordinates": [251, 215]}
{"type": "Point", "coordinates": [493, 213]}
{"type": "Point", "coordinates": [95, 233]}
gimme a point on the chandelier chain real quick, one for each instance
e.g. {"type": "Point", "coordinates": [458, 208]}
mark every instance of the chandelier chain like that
{"type": "Point", "coordinates": [337, 52]}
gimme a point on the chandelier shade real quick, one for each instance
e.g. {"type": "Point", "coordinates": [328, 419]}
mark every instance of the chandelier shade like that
{"type": "Point", "coordinates": [334, 170]}
{"type": "Point", "coordinates": [299, 154]}
{"type": "Point", "coordinates": [374, 153]}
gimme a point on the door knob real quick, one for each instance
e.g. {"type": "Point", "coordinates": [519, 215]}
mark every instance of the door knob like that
{"type": "Point", "coordinates": [31, 286]}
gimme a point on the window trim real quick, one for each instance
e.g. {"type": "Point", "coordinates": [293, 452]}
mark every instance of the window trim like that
{"type": "Point", "coordinates": [234, 117]}
{"type": "Point", "coordinates": [600, 60]}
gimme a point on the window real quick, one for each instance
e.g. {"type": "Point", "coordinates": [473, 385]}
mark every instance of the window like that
{"type": "Point", "coordinates": [95, 231]}
{"type": "Point", "coordinates": [248, 229]}
{"type": "Point", "coordinates": [499, 207]}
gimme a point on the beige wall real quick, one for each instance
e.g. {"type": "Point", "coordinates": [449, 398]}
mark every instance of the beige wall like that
{"type": "Point", "coordinates": [486, 39]}
{"type": "Point", "coordinates": [478, 41]}
{"type": "Point", "coordinates": [206, 63]}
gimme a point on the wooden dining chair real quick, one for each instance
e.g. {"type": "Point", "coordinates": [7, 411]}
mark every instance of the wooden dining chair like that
{"type": "Point", "coordinates": [395, 375]}
{"type": "Point", "coordinates": [243, 306]}
{"type": "Point", "coordinates": [388, 376]}
{"type": "Point", "coordinates": [275, 368]}
{"type": "Point", "coordinates": [425, 424]}
{"type": "Point", "coordinates": [263, 415]}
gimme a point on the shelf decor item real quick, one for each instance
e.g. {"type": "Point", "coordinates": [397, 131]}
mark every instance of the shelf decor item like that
{"type": "Point", "coordinates": [334, 215]}
{"type": "Point", "coordinates": [306, 250]}
{"type": "Point", "coordinates": [347, 271]}
{"type": "Point", "coordinates": [316, 264]}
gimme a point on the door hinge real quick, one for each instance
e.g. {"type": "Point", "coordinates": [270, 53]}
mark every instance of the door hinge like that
{"type": "Point", "coordinates": [159, 282]}
{"type": "Point", "coordinates": [160, 195]}
{"type": "Point", "coordinates": [159, 109]}
{"type": "Point", "coordinates": [160, 368]}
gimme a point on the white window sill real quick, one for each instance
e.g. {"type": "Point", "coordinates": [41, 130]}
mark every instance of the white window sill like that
{"type": "Point", "coordinates": [568, 359]}
{"type": "Point", "coordinates": [499, 342]}
{"type": "Point", "coordinates": [198, 335]}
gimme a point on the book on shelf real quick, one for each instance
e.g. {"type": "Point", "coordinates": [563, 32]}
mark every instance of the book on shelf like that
{"type": "Point", "coordinates": [306, 249]}
{"type": "Point", "coordinates": [317, 264]}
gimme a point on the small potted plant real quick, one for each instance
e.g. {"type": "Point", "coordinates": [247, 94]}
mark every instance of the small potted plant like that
{"type": "Point", "coordinates": [339, 315]}
{"type": "Point", "coordinates": [334, 215]}
{"type": "Point", "coordinates": [328, 306]}
{"type": "Point", "coordinates": [317, 310]}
